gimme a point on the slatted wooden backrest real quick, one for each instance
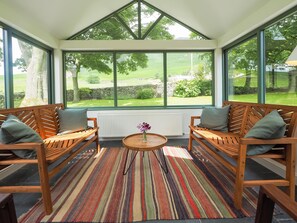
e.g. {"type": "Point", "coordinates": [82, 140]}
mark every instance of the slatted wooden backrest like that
{"type": "Point", "coordinates": [42, 118]}
{"type": "Point", "coordinates": [243, 116]}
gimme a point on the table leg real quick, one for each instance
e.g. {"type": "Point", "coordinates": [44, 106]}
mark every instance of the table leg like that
{"type": "Point", "coordinates": [127, 154]}
{"type": "Point", "coordinates": [164, 167]}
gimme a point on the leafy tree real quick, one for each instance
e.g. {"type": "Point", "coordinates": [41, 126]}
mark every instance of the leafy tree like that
{"type": "Point", "coordinates": [281, 39]}
{"type": "Point", "coordinates": [244, 57]}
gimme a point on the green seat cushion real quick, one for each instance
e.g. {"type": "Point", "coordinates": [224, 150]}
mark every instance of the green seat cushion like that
{"type": "Point", "coordinates": [15, 131]}
{"type": "Point", "coordinates": [72, 119]}
{"type": "Point", "coordinates": [271, 126]}
{"type": "Point", "coordinates": [215, 118]}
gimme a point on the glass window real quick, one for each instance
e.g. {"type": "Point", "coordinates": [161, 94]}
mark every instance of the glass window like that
{"type": "Point", "coordinates": [148, 18]}
{"type": "Point", "coordinates": [124, 25]}
{"type": "Point", "coordinates": [140, 79]}
{"type": "Point", "coordinates": [242, 72]}
{"type": "Point", "coordinates": [130, 17]}
{"type": "Point", "coordinates": [137, 79]}
{"type": "Point", "coordinates": [89, 79]}
{"type": "Point", "coordinates": [189, 78]}
{"type": "Point", "coordinates": [2, 86]}
{"type": "Point", "coordinates": [169, 29]}
{"type": "Point", "coordinates": [281, 61]}
{"type": "Point", "coordinates": [30, 74]}
{"type": "Point", "coordinates": [110, 29]}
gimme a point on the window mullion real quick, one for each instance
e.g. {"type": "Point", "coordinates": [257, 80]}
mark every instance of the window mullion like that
{"type": "Point", "coordinates": [139, 19]}
{"type": "Point", "coordinates": [8, 68]}
{"type": "Point", "coordinates": [115, 84]}
{"type": "Point", "coordinates": [152, 26]}
{"type": "Point", "coordinates": [261, 67]}
{"type": "Point", "coordinates": [126, 26]}
{"type": "Point", "coordinates": [165, 77]}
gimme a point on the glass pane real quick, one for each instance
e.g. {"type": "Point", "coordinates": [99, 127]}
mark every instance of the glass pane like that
{"type": "Point", "coordinates": [30, 74]}
{"type": "Point", "coordinates": [168, 29]}
{"type": "Point", "coordinates": [89, 79]}
{"type": "Point", "coordinates": [189, 78]}
{"type": "Point", "coordinates": [130, 16]}
{"type": "Point", "coordinates": [2, 86]}
{"type": "Point", "coordinates": [110, 29]}
{"type": "Point", "coordinates": [242, 72]}
{"type": "Point", "coordinates": [148, 17]}
{"type": "Point", "coordinates": [121, 25]}
{"type": "Point", "coordinates": [281, 62]}
{"type": "Point", "coordinates": [140, 79]}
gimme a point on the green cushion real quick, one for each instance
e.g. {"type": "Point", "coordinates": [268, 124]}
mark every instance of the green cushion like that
{"type": "Point", "coordinates": [72, 120]}
{"type": "Point", "coordinates": [215, 118]}
{"type": "Point", "coordinates": [14, 131]}
{"type": "Point", "coordinates": [272, 126]}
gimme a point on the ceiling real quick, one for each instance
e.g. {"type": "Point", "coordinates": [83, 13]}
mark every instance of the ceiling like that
{"type": "Point", "coordinates": [63, 18]}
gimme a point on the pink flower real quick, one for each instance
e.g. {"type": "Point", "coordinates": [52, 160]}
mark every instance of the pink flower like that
{"type": "Point", "coordinates": [143, 127]}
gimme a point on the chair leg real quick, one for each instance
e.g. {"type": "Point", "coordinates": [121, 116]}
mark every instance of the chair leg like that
{"type": "Point", "coordinates": [190, 143]}
{"type": "Point", "coordinates": [265, 208]}
{"type": "Point", "coordinates": [241, 161]}
{"type": "Point", "coordinates": [290, 169]}
{"type": "Point", "coordinates": [44, 180]}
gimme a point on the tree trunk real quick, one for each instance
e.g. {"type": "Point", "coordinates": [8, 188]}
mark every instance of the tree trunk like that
{"type": "Point", "coordinates": [293, 81]}
{"type": "Point", "coordinates": [248, 79]}
{"type": "Point", "coordinates": [36, 70]}
{"type": "Point", "coordinates": [75, 86]}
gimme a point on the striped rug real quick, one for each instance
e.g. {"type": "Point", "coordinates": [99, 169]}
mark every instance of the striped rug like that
{"type": "Point", "coordinates": [94, 189]}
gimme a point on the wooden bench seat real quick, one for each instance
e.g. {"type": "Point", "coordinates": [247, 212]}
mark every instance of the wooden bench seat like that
{"type": "Point", "coordinates": [45, 121]}
{"type": "Point", "coordinates": [232, 144]}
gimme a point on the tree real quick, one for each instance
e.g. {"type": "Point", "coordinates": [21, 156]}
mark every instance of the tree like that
{"type": "Point", "coordinates": [281, 40]}
{"type": "Point", "coordinates": [33, 61]}
{"type": "Point", "coordinates": [36, 81]}
{"type": "Point", "coordinates": [244, 57]}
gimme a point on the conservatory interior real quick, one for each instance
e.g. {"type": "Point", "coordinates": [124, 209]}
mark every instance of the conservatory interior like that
{"type": "Point", "coordinates": [146, 68]}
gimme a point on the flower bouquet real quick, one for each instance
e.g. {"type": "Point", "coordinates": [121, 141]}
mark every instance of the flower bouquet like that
{"type": "Point", "coordinates": [144, 127]}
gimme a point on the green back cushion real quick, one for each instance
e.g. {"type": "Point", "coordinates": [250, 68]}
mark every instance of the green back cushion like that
{"type": "Point", "coordinates": [271, 126]}
{"type": "Point", "coordinates": [72, 120]}
{"type": "Point", "coordinates": [215, 118]}
{"type": "Point", "coordinates": [14, 131]}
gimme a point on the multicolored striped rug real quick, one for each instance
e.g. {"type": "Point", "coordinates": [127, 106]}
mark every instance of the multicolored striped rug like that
{"type": "Point", "coordinates": [94, 189]}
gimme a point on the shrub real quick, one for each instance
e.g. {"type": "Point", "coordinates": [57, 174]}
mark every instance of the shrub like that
{"type": "Point", "coordinates": [2, 104]}
{"type": "Point", "coordinates": [145, 93]}
{"type": "Point", "coordinates": [186, 89]}
{"type": "Point", "coordinates": [205, 87]}
{"type": "Point", "coordinates": [85, 93]}
{"type": "Point", "coordinates": [69, 95]}
{"type": "Point", "coordinates": [93, 79]}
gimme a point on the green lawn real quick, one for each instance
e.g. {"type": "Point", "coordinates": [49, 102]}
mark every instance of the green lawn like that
{"type": "Point", "coordinates": [271, 98]}
{"type": "Point", "coordinates": [202, 100]}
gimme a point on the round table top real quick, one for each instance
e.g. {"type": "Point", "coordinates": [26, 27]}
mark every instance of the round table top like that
{"type": "Point", "coordinates": [135, 142]}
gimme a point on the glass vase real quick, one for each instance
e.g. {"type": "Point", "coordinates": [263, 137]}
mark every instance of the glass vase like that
{"type": "Point", "coordinates": [144, 137]}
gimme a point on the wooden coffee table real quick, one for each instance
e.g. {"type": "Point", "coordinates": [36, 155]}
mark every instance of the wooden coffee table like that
{"type": "Point", "coordinates": [135, 144]}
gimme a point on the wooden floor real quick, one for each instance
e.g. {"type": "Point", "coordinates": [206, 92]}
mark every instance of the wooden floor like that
{"type": "Point", "coordinates": [23, 202]}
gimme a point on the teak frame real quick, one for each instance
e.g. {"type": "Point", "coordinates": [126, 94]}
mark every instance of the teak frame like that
{"type": "Point", "coordinates": [44, 120]}
{"type": "Point", "coordinates": [242, 117]}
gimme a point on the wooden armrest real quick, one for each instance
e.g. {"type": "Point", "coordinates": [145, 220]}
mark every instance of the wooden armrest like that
{"type": "Point", "coordinates": [268, 196]}
{"type": "Point", "coordinates": [193, 118]}
{"type": "Point", "coordinates": [285, 140]}
{"type": "Point", "coordinates": [94, 120]}
{"type": "Point", "coordinates": [27, 145]}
